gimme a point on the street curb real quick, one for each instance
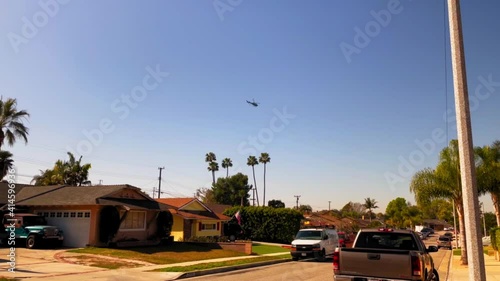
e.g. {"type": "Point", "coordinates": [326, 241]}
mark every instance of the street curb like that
{"type": "Point", "coordinates": [230, 268]}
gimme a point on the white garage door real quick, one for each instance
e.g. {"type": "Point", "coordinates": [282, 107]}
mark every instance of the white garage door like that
{"type": "Point", "coordinates": [74, 223]}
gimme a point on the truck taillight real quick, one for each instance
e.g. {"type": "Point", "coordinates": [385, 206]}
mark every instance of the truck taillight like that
{"type": "Point", "coordinates": [336, 260]}
{"type": "Point", "coordinates": [416, 268]}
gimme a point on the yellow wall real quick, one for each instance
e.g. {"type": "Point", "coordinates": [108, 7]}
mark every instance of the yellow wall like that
{"type": "Point", "coordinates": [178, 228]}
{"type": "Point", "coordinates": [199, 233]}
{"type": "Point", "coordinates": [194, 206]}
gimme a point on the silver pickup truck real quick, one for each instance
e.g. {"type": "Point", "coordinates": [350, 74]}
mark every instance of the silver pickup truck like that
{"type": "Point", "coordinates": [385, 254]}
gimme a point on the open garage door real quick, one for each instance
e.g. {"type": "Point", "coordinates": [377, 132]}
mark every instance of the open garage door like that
{"type": "Point", "coordinates": [74, 223]}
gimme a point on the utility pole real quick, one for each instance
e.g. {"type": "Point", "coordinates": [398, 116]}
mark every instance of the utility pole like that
{"type": "Point", "coordinates": [100, 182]}
{"type": "Point", "coordinates": [159, 181]}
{"type": "Point", "coordinates": [154, 191]}
{"type": "Point", "coordinates": [297, 196]}
{"type": "Point", "coordinates": [475, 255]}
{"type": "Point", "coordinates": [329, 205]}
{"type": "Point", "coordinates": [484, 219]}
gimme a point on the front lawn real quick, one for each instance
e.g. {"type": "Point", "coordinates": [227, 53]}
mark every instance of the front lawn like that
{"type": "Point", "coordinates": [458, 252]}
{"type": "Point", "coordinates": [165, 254]}
{"type": "Point", "coordinates": [203, 266]}
{"type": "Point", "coordinates": [261, 249]}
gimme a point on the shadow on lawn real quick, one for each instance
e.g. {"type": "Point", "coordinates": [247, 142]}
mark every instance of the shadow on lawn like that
{"type": "Point", "coordinates": [175, 247]}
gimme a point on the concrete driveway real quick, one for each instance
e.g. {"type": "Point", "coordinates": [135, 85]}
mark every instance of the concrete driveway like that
{"type": "Point", "coordinates": [38, 263]}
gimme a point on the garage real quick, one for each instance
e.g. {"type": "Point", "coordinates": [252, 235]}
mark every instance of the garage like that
{"type": "Point", "coordinates": [74, 223]}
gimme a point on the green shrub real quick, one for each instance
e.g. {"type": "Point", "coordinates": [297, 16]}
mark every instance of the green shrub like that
{"type": "Point", "coordinates": [493, 237]}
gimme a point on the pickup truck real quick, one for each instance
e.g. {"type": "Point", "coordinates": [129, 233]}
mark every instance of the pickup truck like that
{"type": "Point", "coordinates": [385, 254]}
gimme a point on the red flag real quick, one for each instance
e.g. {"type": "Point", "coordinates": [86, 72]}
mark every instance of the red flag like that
{"type": "Point", "coordinates": [238, 217]}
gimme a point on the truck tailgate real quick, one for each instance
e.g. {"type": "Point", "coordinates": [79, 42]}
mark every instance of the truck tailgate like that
{"type": "Point", "coordinates": [389, 264]}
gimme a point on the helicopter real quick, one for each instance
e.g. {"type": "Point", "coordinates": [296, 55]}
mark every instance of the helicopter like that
{"type": "Point", "coordinates": [253, 103]}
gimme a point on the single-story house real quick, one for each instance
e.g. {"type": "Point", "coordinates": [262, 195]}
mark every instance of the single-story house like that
{"type": "Point", "coordinates": [193, 218]}
{"type": "Point", "coordinates": [4, 191]}
{"type": "Point", "coordinates": [436, 224]}
{"type": "Point", "coordinates": [99, 215]}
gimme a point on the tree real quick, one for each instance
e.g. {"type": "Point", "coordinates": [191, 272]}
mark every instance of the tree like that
{"type": "Point", "coordinates": [440, 209]}
{"type": "Point", "coordinates": [276, 204]}
{"type": "Point", "coordinates": [488, 173]}
{"type": "Point", "coordinates": [264, 159]}
{"type": "Point", "coordinates": [395, 212]}
{"type": "Point", "coordinates": [70, 172]}
{"type": "Point", "coordinates": [232, 190]}
{"type": "Point", "coordinates": [226, 163]}
{"type": "Point", "coordinates": [11, 122]}
{"type": "Point", "coordinates": [443, 183]}
{"type": "Point", "coordinates": [205, 195]}
{"type": "Point", "coordinates": [252, 161]}
{"type": "Point", "coordinates": [213, 166]}
{"type": "Point", "coordinates": [6, 163]}
{"type": "Point", "coordinates": [370, 204]}
{"type": "Point", "coordinates": [305, 209]}
{"type": "Point", "coordinates": [353, 210]}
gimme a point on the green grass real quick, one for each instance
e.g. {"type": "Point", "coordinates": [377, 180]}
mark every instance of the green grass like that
{"type": "Point", "coordinates": [261, 249]}
{"type": "Point", "coordinates": [174, 253]}
{"type": "Point", "coordinates": [8, 279]}
{"type": "Point", "coordinates": [211, 265]}
{"type": "Point", "coordinates": [458, 252]}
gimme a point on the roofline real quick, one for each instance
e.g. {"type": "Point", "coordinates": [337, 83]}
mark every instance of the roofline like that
{"type": "Point", "coordinates": [204, 206]}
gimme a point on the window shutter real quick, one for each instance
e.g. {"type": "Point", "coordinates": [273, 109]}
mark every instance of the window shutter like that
{"type": "Point", "coordinates": [218, 226]}
{"type": "Point", "coordinates": [199, 226]}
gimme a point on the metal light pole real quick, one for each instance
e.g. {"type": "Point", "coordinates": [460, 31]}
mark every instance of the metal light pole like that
{"type": "Point", "coordinates": [484, 220]}
{"type": "Point", "coordinates": [455, 225]}
{"type": "Point", "coordinates": [475, 255]}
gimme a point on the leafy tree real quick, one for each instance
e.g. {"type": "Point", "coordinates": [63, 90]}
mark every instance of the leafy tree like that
{"type": "Point", "coordinates": [11, 122]}
{"type": "Point", "coordinates": [70, 172]}
{"type": "Point", "coordinates": [252, 161]}
{"type": "Point", "coordinates": [488, 173]}
{"type": "Point", "coordinates": [395, 212]}
{"type": "Point", "coordinates": [232, 190]}
{"type": "Point", "coordinates": [443, 182]}
{"type": "Point", "coordinates": [264, 159]}
{"type": "Point", "coordinates": [370, 204]}
{"type": "Point", "coordinates": [354, 210]}
{"type": "Point", "coordinates": [6, 163]}
{"type": "Point", "coordinates": [440, 209]}
{"type": "Point", "coordinates": [490, 220]}
{"type": "Point", "coordinates": [213, 166]}
{"type": "Point", "coordinates": [412, 216]}
{"type": "Point", "coordinates": [305, 209]}
{"type": "Point", "coordinates": [205, 195]}
{"type": "Point", "coordinates": [226, 164]}
{"type": "Point", "coordinates": [276, 204]}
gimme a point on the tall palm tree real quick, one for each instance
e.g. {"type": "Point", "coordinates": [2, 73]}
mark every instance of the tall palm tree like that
{"type": "Point", "coordinates": [11, 122]}
{"type": "Point", "coordinates": [370, 204]}
{"type": "Point", "coordinates": [6, 163]}
{"type": "Point", "coordinates": [252, 161]}
{"type": "Point", "coordinates": [443, 182]}
{"type": "Point", "coordinates": [226, 163]}
{"type": "Point", "coordinates": [210, 157]}
{"type": "Point", "coordinates": [264, 159]}
{"type": "Point", "coordinates": [213, 167]}
{"type": "Point", "coordinates": [488, 173]}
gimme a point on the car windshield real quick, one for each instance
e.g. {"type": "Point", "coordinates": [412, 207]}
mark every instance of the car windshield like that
{"type": "Point", "coordinates": [309, 235]}
{"type": "Point", "coordinates": [34, 220]}
{"type": "Point", "coordinates": [446, 239]}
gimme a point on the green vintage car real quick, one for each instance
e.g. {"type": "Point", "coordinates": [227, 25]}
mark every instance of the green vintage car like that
{"type": "Point", "coordinates": [29, 229]}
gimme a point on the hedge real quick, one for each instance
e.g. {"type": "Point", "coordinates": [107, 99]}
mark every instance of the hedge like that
{"type": "Point", "coordinates": [495, 237]}
{"type": "Point", "coordinates": [267, 224]}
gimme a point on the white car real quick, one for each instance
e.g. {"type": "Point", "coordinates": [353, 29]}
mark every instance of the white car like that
{"type": "Point", "coordinates": [486, 241]}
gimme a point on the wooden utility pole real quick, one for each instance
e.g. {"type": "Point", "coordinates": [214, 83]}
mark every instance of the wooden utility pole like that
{"type": "Point", "coordinates": [297, 196]}
{"type": "Point", "coordinates": [468, 173]}
{"type": "Point", "coordinates": [159, 181]}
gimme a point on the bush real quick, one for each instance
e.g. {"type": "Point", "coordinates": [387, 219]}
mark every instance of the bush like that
{"type": "Point", "coordinates": [493, 236]}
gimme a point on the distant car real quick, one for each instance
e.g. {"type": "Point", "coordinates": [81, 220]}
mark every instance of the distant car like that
{"type": "Point", "coordinates": [486, 241]}
{"type": "Point", "coordinates": [427, 229]}
{"type": "Point", "coordinates": [444, 242]}
{"type": "Point", "coordinates": [343, 239]}
{"type": "Point", "coordinates": [449, 234]}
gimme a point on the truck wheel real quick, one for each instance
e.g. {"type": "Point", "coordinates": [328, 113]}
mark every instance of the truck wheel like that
{"type": "Point", "coordinates": [31, 242]}
{"type": "Point", "coordinates": [320, 256]}
{"type": "Point", "coordinates": [435, 275]}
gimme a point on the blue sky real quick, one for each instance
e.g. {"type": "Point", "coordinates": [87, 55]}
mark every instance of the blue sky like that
{"type": "Point", "coordinates": [335, 125]}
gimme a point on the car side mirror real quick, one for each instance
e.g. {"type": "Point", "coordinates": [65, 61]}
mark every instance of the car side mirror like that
{"type": "Point", "coordinates": [431, 249]}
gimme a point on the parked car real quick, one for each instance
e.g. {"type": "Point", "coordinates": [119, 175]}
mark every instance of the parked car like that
{"type": "Point", "coordinates": [343, 238]}
{"type": "Point", "coordinates": [427, 229]}
{"type": "Point", "coordinates": [449, 234]}
{"type": "Point", "coordinates": [444, 242]}
{"type": "Point", "coordinates": [486, 241]}
{"type": "Point", "coordinates": [314, 242]}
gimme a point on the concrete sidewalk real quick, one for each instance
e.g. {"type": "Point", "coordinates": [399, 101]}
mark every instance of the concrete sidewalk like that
{"type": "Point", "coordinates": [461, 272]}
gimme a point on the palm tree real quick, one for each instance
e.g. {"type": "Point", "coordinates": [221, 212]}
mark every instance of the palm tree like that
{"type": "Point", "coordinates": [70, 172]}
{"type": "Point", "coordinates": [6, 163]}
{"type": "Point", "coordinates": [226, 163]}
{"type": "Point", "coordinates": [213, 167]}
{"type": "Point", "coordinates": [11, 122]}
{"type": "Point", "coordinates": [252, 161]}
{"type": "Point", "coordinates": [443, 183]}
{"type": "Point", "coordinates": [370, 204]}
{"type": "Point", "coordinates": [210, 157]}
{"type": "Point", "coordinates": [264, 159]}
{"type": "Point", "coordinates": [488, 173]}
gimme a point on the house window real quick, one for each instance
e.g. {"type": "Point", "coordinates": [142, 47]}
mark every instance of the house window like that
{"type": "Point", "coordinates": [135, 220]}
{"type": "Point", "coordinates": [59, 214]}
{"type": "Point", "coordinates": [208, 226]}
{"type": "Point", "coordinates": [87, 214]}
{"type": "Point", "coordinates": [79, 214]}
{"type": "Point", "coordinates": [72, 214]}
{"type": "Point", "coordinates": [65, 214]}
